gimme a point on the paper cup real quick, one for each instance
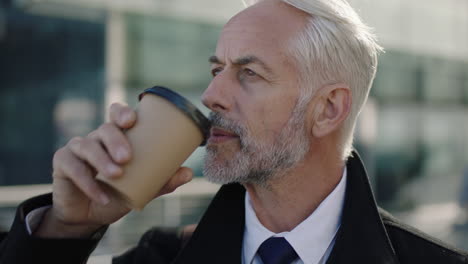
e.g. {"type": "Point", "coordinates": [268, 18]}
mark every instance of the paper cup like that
{"type": "Point", "coordinates": [168, 129]}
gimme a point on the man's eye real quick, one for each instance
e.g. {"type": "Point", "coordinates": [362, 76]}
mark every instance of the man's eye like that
{"type": "Point", "coordinates": [249, 72]}
{"type": "Point", "coordinates": [215, 71]}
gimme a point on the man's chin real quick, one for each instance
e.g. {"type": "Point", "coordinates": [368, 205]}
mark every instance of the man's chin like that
{"type": "Point", "coordinates": [221, 155]}
{"type": "Point", "coordinates": [220, 170]}
{"type": "Point", "coordinates": [219, 180]}
{"type": "Point", "coordinates": [235, 178]}
{"type": "Point", "coordinates": [219, 177]}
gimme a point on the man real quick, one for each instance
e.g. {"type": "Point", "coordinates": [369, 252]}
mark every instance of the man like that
{"type": "Point", "coordinates": [289, 79]}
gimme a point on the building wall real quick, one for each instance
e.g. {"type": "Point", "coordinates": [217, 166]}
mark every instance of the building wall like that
{"type": "Point", "coordinates": [429, 27]}
{"type": "Point", "coordinates": [51, 88]}
{"type": "Point", "coordinates": [421, 90]}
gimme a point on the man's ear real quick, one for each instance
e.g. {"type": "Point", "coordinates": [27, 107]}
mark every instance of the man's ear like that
{"type": "Point", "coordinates": [331, 109]}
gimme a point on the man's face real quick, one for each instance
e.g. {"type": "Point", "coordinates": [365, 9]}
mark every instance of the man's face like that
{"type": "Point", "coordinates": [258, 125]}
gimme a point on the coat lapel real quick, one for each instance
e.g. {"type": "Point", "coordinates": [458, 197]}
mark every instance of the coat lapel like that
{"type": "Point", "coordinates": [218, 237]}
{"type": "Point", "coordinates": [362, 237]}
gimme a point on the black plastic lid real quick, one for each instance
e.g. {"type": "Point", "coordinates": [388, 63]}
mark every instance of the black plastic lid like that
{"type": "Point", "coordinates": [183, 104]}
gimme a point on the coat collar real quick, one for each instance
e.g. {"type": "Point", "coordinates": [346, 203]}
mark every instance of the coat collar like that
{"type": "Point", "coordinates": [218, 237]}
{"type": "Point", "coordinates": [362, 237]}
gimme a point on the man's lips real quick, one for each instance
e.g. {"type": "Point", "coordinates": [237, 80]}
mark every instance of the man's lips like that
{"type": "Point", "coordinates": [218, 135]}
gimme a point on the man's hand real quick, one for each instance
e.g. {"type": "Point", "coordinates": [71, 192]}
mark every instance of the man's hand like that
{"type": "Point", "coordinates": [80, 204]}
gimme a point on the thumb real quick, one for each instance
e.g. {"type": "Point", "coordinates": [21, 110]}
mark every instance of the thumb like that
{"type": "Point", "coordinates": [182, 176]}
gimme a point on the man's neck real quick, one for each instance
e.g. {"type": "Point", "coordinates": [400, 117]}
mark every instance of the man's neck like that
{"type": "Point", "coordinates": [291, 198]}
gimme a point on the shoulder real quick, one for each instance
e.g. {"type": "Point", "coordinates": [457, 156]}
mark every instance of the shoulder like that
{"type": "Point", "coordinates": [414, 246]}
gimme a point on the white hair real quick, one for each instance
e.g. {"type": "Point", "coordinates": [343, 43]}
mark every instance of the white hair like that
{"type": "Point", "coordinates": [335, 47]}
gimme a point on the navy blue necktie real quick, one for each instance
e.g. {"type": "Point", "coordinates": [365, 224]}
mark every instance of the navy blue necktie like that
{"type": "Point", "coordinates": [276, 250]}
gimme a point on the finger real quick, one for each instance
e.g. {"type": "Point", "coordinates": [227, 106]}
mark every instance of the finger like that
{"type": "Point", "coordinates": [68, 166]}
{"type": "Point", "coordinates": [122, 115]}
{"type": "Point", "coordinates": [93, 153]}
{"type": "Point", "coordinates": [94, 135]}
{"type": "Point", "coordinates": [182, 176]}
{"type": "Point", "coordinates": [115, 142]}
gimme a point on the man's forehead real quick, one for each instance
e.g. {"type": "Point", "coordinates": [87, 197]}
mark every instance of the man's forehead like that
{"type": "Point", "coordinates": [260, 29]}
{"type": "Point", "coordinates": [273, 14]}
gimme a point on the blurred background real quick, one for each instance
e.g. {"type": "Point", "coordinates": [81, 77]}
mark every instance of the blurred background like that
{"type": "Point", "coordinates": [62, 63]}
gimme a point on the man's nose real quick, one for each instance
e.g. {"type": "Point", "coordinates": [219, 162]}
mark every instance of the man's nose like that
{"type": "Point", "coordinates": [216, 97]}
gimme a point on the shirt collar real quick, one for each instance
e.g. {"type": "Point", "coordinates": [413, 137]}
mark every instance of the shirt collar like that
{"type": "Point", "coordinates": [320, 227]}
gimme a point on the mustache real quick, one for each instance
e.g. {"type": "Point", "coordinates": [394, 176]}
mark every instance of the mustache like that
{"type": "Point", "coordinates": [218, 120]}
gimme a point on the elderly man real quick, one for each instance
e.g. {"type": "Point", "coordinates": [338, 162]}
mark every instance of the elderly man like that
{"type": "Point", "coordinates": [289, 79]}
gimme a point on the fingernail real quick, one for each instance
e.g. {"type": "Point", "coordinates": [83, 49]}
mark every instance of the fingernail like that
{"type": "Point", "coordinates": [113, 169]}
{"type": "Point", "coordinates": [122, 154]}
{"type": "Point", "coordinates": [104, 199]}
{"type": "Point", "coordinates": [125, 118]}
{"type": "Point", "coordinates": [188, 177]}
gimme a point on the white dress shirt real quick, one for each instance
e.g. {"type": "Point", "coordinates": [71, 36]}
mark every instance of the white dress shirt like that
{"type": "Point", "coordinates": [313, 239]}
{"type": "Point", "coordinates": [34, 218]}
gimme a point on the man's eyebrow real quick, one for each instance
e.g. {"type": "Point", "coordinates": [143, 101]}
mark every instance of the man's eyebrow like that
{"type": "Point", "coordinates": [213, 59]}
{"type": "Point", "coordinates": [243, 61]}
{"type": "Point", "coordinates": [252, 59]}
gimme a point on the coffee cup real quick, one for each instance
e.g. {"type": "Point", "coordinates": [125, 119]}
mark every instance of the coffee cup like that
{"type": "Point", "coordinates": [167, 131]}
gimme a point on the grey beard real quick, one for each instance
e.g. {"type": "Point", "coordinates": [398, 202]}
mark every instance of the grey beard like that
{"type": "Point", "coordinates": [258, 162]}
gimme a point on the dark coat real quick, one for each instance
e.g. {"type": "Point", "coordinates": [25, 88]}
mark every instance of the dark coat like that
{"type": "Point", "coordinates": [367, 235]}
